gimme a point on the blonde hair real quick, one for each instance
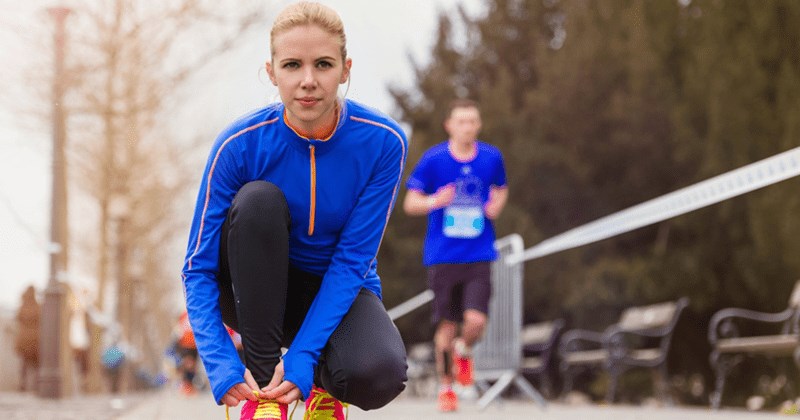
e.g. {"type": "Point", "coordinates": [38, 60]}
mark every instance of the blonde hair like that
{"type": "Point", "coordinates": [309, 13]}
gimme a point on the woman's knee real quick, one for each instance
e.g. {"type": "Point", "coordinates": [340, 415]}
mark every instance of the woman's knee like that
{"type": "Point", "coordinates": [365, 363]}
{"type": "Point", "coordinates": [258, 201]}
{"type": "Point", "coordinates": [374, 384]}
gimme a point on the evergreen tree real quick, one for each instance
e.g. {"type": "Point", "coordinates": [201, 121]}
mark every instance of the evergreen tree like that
{"type": "Point", "coordinates": [600, 105]}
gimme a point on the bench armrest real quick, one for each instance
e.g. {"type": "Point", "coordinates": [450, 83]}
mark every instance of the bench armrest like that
{"type": "Point", "coordinates": [574, 340]}
{"type": "Point", "coordinates": [722, 324]}
{"type": "Point", "coordinates": [618, 341]}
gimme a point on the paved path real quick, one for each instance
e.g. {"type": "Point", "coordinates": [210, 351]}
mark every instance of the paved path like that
{"type": "Point", "coordinates": [24, 406]}
{"type": "Point", "coordinates": [169, 405]}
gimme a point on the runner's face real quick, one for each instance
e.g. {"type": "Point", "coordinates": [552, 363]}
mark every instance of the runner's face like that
{"type": "Point", "coordinates": [307, 67]}
{"type": "Point", "coordinates": [463, 125]}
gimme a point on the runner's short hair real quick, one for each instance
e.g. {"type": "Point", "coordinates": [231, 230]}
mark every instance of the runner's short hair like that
{"type": "Point", "coordinates": [461, 103]}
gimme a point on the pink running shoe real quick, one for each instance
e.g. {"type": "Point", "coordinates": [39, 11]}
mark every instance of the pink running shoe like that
{"type": "Point", "coordinates": [263, 410]}
{"type": "Point", "coordinates": [320, 405]}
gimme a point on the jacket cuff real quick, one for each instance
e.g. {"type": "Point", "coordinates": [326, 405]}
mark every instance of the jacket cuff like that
{"type": "Point", "coordinates": [299, 370]}
{"type": "Point", "coordinates": [221, 387]}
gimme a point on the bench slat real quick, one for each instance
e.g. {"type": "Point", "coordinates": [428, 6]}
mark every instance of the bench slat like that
{"type": "Point", "coordinates": [586, 357]}
{"type": "Point", "coordinates": [643, 317]}
{"type": "Point", "coordinates": [772, 344]}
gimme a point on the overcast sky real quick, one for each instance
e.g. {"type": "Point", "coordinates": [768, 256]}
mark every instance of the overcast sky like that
{"type": "Point", "coordinates": [380, 35]}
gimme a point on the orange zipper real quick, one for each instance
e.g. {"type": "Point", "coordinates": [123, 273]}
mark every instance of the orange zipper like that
{"type": "Point", "coordinates": [313, 205]}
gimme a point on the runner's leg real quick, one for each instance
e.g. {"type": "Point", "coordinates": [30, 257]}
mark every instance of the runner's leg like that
{"type": "Point", "coordinates": [254, 261]}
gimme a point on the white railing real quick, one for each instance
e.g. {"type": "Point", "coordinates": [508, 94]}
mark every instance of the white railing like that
{"type": "Point", "coordinates": [713, 190]}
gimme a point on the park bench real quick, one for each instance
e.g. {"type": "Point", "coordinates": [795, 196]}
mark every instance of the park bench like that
{"type": "Point", "coordinates": [729, 345]}
{"type": "Point", "coordinates": [641, 338]}
{"type": "Point", "coordinates": [539, 346]}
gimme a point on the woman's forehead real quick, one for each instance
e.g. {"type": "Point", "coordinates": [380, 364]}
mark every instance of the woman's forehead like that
{"type": "Point", "coordinates": [306, 40]}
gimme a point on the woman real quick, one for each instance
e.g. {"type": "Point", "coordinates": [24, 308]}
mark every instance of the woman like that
{"type": "Point", "coordinates": [290, 214]}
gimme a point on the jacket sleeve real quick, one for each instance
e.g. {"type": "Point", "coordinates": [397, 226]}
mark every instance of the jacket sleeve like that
{"type": "Point", "coordinates": [218, 187]}
{"type": "Point", "coordinates": [353, 259]}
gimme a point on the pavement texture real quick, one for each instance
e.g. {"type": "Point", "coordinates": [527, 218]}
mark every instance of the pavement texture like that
{"type": "Point", "coordinates": [170, 405]}
{"type": "Point", "coordinates": [25, 406]}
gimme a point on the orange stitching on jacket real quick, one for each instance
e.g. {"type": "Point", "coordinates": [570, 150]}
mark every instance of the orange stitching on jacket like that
{"type": "Point", "coordinates": [313, 204]}
{"type": "Point", "coordinates": [396, 185]}
{"type": "Point", "coordinates": [208, 183]}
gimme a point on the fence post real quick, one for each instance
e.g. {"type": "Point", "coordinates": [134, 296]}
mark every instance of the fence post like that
{"type": "Point", "coordinates": [498, 356]}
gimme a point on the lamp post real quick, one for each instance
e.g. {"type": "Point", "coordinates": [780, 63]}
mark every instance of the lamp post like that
{"type": "Point", "coordinates": [52, 333]}
{"type": "Point", "coordinates": [119, 212]}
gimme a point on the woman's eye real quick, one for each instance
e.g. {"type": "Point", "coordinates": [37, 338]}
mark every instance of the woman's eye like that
{"type": "Point", "coordinates": [324, 64]}
{"type": "Point", "coordinates": [291, 65]}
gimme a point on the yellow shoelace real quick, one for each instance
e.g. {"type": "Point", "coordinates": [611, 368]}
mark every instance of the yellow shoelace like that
{"type": "Point", "coordinates": [323, 406]}
{"type": "Point", "coordinates": [263, 410]}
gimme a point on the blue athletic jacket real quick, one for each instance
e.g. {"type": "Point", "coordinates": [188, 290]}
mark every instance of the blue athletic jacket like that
{"type": "Point", "coordinates": [340, 192]}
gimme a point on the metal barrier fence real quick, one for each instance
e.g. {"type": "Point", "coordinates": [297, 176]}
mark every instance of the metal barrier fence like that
{"type": "Point", "coordinates": [498, 355]}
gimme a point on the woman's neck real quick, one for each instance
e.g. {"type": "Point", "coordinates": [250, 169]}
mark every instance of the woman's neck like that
{"type": "Point", "coordinates": [322, 131]}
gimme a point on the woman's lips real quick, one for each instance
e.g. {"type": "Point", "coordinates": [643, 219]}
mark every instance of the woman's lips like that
{"type": "Point", "coordinates": [308, 102]}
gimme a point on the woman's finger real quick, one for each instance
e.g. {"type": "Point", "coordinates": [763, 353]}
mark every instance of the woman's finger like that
{"type": "Point", "coordinates": [251, 382]}
{"type": "Point", "coordinates": [242, 391]}
{"type": "Point", "coordinates": [291, 396]}
{"type": "Point", "coordinates": [229, 400]}
{"type": "Point", "coordinates": [280, 390]}
{"type": "Point", "coordinates": [277, 377]}
{"type": "Point", "coordinates": [286, 392]}
{"type": "Point", "coordinates": [234, 392]}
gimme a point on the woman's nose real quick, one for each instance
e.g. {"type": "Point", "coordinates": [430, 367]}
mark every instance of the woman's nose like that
{"type": "Point", "coordinates": [308, 79]}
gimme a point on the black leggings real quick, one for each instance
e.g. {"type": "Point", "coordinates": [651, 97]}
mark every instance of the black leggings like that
{"type": "Point", "coordinates": [265, 299]}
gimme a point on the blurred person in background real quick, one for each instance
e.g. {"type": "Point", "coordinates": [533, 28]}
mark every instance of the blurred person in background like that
{"type": "Point", "coordinates": [27, 340]}
{"type": "Point", "coordinates": [460, 184]}
{"type": "Point", "coordinates": [79, 335]}
{"type": "Point", "coordinates": [186, 350]}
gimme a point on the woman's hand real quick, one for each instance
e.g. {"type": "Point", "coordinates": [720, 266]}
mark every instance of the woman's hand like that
{"type": "Point", "coordinates": [280, 390]}
{"type": "Point", "coordinates": [241, 391]}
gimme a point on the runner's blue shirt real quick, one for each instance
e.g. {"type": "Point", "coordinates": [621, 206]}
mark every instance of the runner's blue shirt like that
{"type": "Point", "coordinates": [340, 193]}
{"type": "Point", "coordinates": [459, 233]}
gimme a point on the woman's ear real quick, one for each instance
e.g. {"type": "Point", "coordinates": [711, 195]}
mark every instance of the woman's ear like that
{"type": "Point", "coordinates": [271, 73]}
{"type": "Point", "coordinates": [346, 70]}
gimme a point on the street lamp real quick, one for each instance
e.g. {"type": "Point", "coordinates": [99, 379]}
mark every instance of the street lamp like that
{"type": "Point", "coordinates": [53, 322]}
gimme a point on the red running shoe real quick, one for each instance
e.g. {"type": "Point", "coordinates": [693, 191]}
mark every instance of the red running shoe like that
{"type": "Point", "coordinates": [462, 362]}
{"type": "Point", "coordinates": [448, 401]}
{"type": "Point", "coordinates": [187, 388]}
{"type": "Point", "coordinates": [263, 410]}
{"type": "Point", "coordinates": [321, 405]}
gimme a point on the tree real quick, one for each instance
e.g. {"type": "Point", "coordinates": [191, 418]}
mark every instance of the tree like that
{"type": "Point", "coordinates": [600, 105]}
{"type": "Point", "coordinates": [128, 62]}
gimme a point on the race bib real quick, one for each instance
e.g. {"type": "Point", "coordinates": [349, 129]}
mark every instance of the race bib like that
{"type": "Point", "coordinates": [463, 221]}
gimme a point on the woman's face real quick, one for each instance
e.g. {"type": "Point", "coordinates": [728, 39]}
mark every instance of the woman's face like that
{"type": "Point", "coordinates": [307, 67]}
